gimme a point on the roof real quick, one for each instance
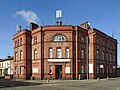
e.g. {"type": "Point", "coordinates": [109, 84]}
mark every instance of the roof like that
{"type": "Point", "coordinates": [6, 59]}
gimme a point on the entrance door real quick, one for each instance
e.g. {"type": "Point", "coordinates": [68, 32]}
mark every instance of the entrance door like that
{"type": "Point", "coordinates": [58, 71]}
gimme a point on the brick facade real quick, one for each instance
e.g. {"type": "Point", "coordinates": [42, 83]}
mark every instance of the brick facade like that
{"type": "Point", "coordinates": [64, 51]}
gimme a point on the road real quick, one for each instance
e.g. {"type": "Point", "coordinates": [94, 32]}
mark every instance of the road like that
{"type": "Point", "coordinates": [102, 84]}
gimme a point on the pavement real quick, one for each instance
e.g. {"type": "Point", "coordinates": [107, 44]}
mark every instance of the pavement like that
{"type": "Point", "coordinates": [91, 84]}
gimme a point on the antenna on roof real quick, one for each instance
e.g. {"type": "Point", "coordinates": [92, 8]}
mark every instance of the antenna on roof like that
{"type": "Point", "coordinates": [18, 28]}
{"type": "Point", "coordinates": [112, 33]}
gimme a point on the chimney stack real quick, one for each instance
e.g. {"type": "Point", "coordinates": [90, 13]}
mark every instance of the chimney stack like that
{"type": "Point", "coordinates": [33, 26]}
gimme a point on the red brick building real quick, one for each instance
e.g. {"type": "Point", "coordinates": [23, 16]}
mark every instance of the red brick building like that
{"type": "Point", "coordinates": [64, 52]}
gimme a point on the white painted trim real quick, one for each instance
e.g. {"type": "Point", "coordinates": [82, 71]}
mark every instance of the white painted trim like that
{"type": "Point", "coordinates": [58, 60]}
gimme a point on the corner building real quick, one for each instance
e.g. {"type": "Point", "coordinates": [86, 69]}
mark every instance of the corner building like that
{"type": "Point", "coordinates": [64, 52]}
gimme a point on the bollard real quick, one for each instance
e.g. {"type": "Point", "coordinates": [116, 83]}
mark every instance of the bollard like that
{"type": "Point", "coordinates": [47, 80]}
{"type": "Point", "coordinates": [98, 78]}
{"type": "Point", "coordinates": [79, 77]}
{"type": "Point", "coordinates": [107, 77]}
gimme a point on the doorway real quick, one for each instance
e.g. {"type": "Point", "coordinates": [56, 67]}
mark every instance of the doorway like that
{"type": "Point", "coordinates": [58, 71]}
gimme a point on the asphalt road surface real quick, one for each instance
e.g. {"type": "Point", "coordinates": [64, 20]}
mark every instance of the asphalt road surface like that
{"type": "Point", "coordinates": [102, 84]}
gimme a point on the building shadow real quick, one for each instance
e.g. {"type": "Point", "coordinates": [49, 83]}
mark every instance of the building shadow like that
{"type": "Point", "coordinates": [9, 83]}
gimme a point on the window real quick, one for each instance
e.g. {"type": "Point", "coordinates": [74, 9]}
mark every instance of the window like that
{"type": "Point", "coordinates": [82, 68]}
{"type": "Point", "coordinates": [18, 43]}
{"type": "Point", "coordinates": [16, 70]}
{"type": "Point", "coordinates": [102, 55]}
{"type": "Point", "coordinates": [82, 54]}
{"type": "Point", "coordinates": [21, 69]}
{"type": "Point", "coordinates": [59, 53]}
{"type": "Point", "coordinates": [50, 69]}
{"type": "Point", "coordinates": [82, 39]}
{"type": "Point", "coordinates": [107, 69]}
{"type": "Point", "coordinates": [106, 56]}
{"type": "Point", "coordinates": [5, 65]}
{"type": "Point", "coordinates": [15, 43]}
{"type": "Point", "coordinates": [59, 38]}
{"type": "Point", "coordinates": [16, 55]}
{"type": "Point", "coordinates": [97, 54]}
{"type": "Point", "coordinates": [114, 58]}
{"type": "Point", "coordinates": [97, 40]}
{"type": "Point", "coordinates": [97, 69]}
{"type": "Point", "coordinates": [110, 69]}
{"type": "Point", "coordinates": [113, 70]}
{"type": "Point", "coordinates": [103, 69]}
{"type": "Point", "coordinates": [50, 53]}
{"type": "Point", "coordinates": [21, 55]}
{"type": "Point", "coordinates": [35, 54]}
{"type": "Point", "coordinates": [67, 52]}
{"type": "Point", "coordinates": [35, 40]}
{"type": "Point", "coordinates": [110, 57]}
{"type": "Point", "coordinates": [21, 41]}
{"type": "Point", "coordinates": [2, 65]}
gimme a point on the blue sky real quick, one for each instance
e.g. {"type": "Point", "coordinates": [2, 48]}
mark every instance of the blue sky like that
{"type": "Point", "coordinates": [102, 14]}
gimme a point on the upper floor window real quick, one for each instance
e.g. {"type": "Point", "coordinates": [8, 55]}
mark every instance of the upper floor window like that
{"type": "Point", "coordinates": [82, 54]}
{"type": "Point", "coordinates": [35, 40]}
{"type": "Point", "coordinates": [59, 38]}
{"type": "Point", "coordinates": [15, 43]}
{"type": "Point", "coordinates": [97, 40]}
{"type": "Point", "coordinates": [59, 55]}
{"type": "Point", "coordinates": [50, 52]}
{"type": "Point", "coordinates": [106, 56]}
{"type": "Point", "coordinates": [83, 39]}
{"type": "Point", "coordinates": [16, 55]}
{"type": "Point", "coordinates": [97, 54]}
{"type": "Point", "coordinates": [110, 57]}
{"type": "Point", "coordinates": [21, 55]}
{"type": "Point", "coordinates": [67, 52]}
{"type": "Point", "coordinates": [102, 55]}
{"type": "Point", "coordinates": [113, 58]}
{"type": "Point", "coordinates": [18, 43]}
{"type": "Point", "coordinates": [21, 41]}
{"type": "Point", "coordinates": [35, 54]}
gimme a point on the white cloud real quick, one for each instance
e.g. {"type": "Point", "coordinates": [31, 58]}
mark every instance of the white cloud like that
{"type": "Point", "coordinates": [29, 16]}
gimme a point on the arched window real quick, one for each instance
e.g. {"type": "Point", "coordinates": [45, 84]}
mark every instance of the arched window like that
{"type": "Point", "coordinates": [82, 68]}
{"type": "Point", "coordinates": [83, 39]}
{"type": "Point", "coordinates": [82, 54]}
{"type": "Point", "coordinates": [16, 55]}
{"type": "Point", "coordinates": [106, 56]}
{"type": "Point", "coordinates": [59, 38]}
{"type": "Point", "coordinates": [102, 55]}
{"type": "Point", "coordinates": [35, 54]}
{"type": "Point", "coordinates": [21, 55]}
{"type": "Point", "coordinates": [97, 69]}
{"type": "Point", "coordinates": [97, 54]}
